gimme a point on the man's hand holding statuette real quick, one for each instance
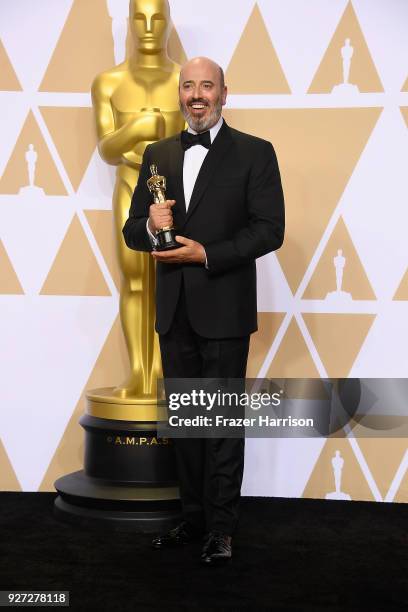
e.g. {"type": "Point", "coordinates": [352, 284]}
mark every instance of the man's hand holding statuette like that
{"type": "Point", "coordinates": [160, 215]}
{"type": "Point", "coordinates": [191, 252]}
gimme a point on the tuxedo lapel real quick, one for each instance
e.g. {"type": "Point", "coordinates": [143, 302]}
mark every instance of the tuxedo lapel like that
{"type": "Point", "coordinates": [212, 160]}
{"type": "Point", "coordinates": [176, 172]}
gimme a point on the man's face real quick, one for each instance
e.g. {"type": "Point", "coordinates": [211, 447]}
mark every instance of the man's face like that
{"type": "Point", "coordinates": [201, 94]}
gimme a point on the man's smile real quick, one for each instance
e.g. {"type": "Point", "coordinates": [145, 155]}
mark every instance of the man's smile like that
{"type": "Point", "coordinates": [198, 106]}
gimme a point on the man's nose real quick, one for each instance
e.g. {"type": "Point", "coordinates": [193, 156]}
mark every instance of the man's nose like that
{"type": "Point", "coordinates": [149, 24]}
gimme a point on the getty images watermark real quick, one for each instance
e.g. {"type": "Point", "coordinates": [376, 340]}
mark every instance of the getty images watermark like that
{"type": "Point", "coordinates": [220, 400]}
{"type": "Point", "coordinates": [286, 408]}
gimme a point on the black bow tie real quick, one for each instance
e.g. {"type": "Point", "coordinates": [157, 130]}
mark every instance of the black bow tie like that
{"type": "Point", "coordinates": [189, 140]}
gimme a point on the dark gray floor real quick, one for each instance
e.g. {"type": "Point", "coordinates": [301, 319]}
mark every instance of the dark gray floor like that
{"type": "Point", "coordinates": [287, 555]}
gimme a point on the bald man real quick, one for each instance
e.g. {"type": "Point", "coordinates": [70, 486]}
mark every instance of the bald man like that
{"type": "Point", "coordinates": [226, 201]}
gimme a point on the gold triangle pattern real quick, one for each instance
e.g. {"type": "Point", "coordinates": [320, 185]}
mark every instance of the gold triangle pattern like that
{"type": "Point", "coordinates": [107, 372]}
{"type": "Point", "coordinates": [362, 71]}
{"type": "Point", "coordinates": [339, 259]}
{"type": "Point", "coordinates": [404, 112]}
{"type": "Point", "coordinates": [9, 283]}
{"type": "Point", "coordinates": [8, 478]}
{"type": "Point", "coordinates": [175, 48]}
{"type": "Point", "coordinates": [84, 48]}
{"type": "Point", "coordinates": [261, 341]}
{"type": "Point", "coordinates": [255, 48]}
{"type": "Point", "coordinates": [75, 270]}
{"type": "Point", "coordinates": [73, 133]}
{"type": "Point", "coordinates": [293, 359]}
{"type": "Point", "coordinates": [16, 174]}
{"type": "Point", "coordinates": [338, 339]}
{"type": "Point", "coordinates": [8, 77]}
{"type": "Point", "coordinates": [402, 291]}
{"type": "Point", "coordinates": [102, 225]}
{"type": "Point", "coordinates": [391, 451]}
{"type": "Point", "coordinates": [402, 493]}
{"type": "Point", "coordinates": [352, 479]}
{"type": "Point", "coordinates": [317, 150]}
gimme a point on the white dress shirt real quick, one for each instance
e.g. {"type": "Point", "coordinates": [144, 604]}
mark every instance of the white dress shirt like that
{"type": "Point", "coordinates": [193, 160]}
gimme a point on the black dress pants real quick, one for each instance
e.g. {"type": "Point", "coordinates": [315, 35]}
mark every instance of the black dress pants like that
{"type": "Point", "coordinates": [210, 470]}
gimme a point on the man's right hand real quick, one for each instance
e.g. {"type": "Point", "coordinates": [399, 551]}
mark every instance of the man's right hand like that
{"type": "Point", "coordinates": [160, 215]}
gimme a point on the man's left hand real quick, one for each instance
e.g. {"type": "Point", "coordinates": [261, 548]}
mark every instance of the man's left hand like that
{"type": "Point", "coordinates": [191, 252]}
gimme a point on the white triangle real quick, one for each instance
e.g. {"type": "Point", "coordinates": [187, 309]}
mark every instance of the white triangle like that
{"type": "Point", "coordinates": [384, 25]}
{"type": "Point", "coordinates": [384, 353]}
{"type": "Point", "coordinates": [301, 32]}
{"type": "Point", "coordinates": [282, 466]}
{"type": "Point", "coordinates": [32, 229]}
{"type": "Point", "coordinates": [49, 347]}
{"type": "Point", "coordinates": [202, 34]}
{"type": "Point", "coordinates": [97, 185]}
{"type": "Point", "coordinates": [374, 204]}
{"type": "Point", "coordinates": [273, 293]}
{"type": "Point", "coordinates": [39, 26]}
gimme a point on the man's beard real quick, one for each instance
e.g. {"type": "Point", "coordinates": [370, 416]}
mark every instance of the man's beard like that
{"type": "Point", "coordinates": [201, 124]}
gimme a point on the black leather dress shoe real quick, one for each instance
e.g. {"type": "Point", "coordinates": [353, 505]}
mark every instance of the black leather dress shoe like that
{"type": "Point", "coordinates": [182, 534]}
{"type": "Point", "coordinates": [217, 549]}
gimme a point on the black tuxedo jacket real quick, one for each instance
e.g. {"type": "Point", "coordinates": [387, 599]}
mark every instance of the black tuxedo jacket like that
{"type": "Point", "coordinates": [236, 212]}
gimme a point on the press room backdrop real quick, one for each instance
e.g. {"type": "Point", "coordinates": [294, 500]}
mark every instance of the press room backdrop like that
{"type": "Point", "coordinates": [343, 151]}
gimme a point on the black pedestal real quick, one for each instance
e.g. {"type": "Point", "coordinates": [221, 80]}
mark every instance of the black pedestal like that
{"type": "Point", "coordinates": [129, 478]}
{"type": "Point", "coordinates": [90, 502]}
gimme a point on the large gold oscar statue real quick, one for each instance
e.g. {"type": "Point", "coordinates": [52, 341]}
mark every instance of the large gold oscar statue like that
{"type": "Point", "coordinates": [136, 103]}
{"type": "Point", "coordinates": [129, 476]}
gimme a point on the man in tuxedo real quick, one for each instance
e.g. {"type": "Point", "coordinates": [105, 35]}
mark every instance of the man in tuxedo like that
{"type": "Point", "coordinates": [226, 201]}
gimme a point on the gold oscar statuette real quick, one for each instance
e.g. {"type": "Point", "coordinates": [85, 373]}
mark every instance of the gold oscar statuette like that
{"type": "Point", "coordinates": [166, 236]}
{"type": "Point", "coordinates": [131, 484]}
{"type": "Point", "coordinates": [136, 103]}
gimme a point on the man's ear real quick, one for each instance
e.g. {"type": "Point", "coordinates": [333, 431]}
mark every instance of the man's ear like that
{"type": "Point", "coordinates": [224, 96]}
